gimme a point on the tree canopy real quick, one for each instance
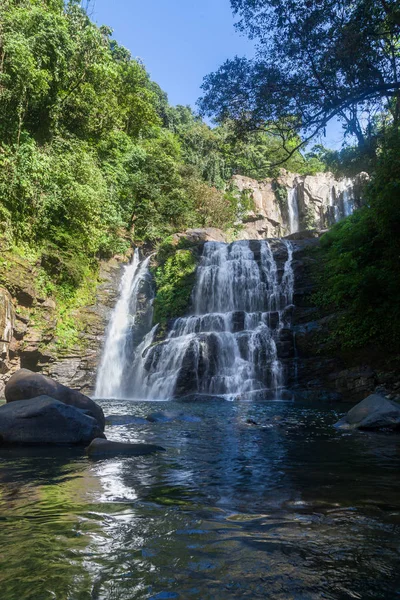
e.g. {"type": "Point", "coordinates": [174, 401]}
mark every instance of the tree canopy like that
{"type": "Point", "coordinates": [316, 59]}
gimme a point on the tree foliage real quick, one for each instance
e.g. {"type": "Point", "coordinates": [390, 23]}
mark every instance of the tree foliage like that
{"type": "Point", "coordinates": [360, 255]}
{"type": "Point", "coordinates": [316, 59]}
{"type": "Point", "coordinates": [92, 156]}
{"type": "Point", "coordinates": [91, 152]}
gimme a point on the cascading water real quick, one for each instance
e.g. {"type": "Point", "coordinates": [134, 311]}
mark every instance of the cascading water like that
{"type": "Point", "coordinates": [293, 207]}
{"type": "Point", "coordinates": [348, 197]}
{"type": "Point", "coordinates": [335, 210]}
{"type": "Point", "coordinates": [325, 201]}
{"type": "Point", "coordinates": [229, 346]}
{"type": "Point", "coordinates": [120, 345]}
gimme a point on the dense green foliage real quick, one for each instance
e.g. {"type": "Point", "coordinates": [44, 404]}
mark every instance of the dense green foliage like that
{"type": "Point", "coordinates": [217, 154]}
{"type": "Point", "coordinates": [361, 277]}
{"type": "Point", "coordinates": [93, 158]}
{"type": "Point", "coordinates": [174, 277]}
{"type": "Point", "coordinates": [91, 153]}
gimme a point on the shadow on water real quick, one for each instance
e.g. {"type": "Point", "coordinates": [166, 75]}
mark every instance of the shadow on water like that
{"type": "Point", "coordinates": [251, 500]}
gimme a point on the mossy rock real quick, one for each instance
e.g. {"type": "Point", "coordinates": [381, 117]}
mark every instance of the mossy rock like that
{"type": "Point", "coordinates": [174, 276]}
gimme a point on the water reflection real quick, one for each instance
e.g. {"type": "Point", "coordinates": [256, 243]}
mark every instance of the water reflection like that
{"type": "Point", "coordinates": [251, 500]}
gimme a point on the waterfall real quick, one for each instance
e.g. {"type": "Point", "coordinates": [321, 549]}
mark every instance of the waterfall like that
{"type": "Point", "coordinates": [293, 206]}
{"type": "Point", "coordinates": [230, 344]}
{"type": "Point", "coordinates": [119, 344]}
{"type": "Point", "coordinates": [335, 210]}
{"type": "Point", "coordinates": [348, 197]}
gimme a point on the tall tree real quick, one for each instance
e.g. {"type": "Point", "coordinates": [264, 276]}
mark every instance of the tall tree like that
{"type": "Point", "coordinates": [315, 60]}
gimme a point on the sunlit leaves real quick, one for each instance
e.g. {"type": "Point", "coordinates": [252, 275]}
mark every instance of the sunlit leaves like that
{"type": "Point", "coordinates": [315, 59]}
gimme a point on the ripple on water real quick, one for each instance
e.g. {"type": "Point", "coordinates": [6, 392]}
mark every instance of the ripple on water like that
{"type": "Point", "coordinates": [251, 500]}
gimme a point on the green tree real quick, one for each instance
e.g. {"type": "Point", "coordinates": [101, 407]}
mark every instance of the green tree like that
{"type": "Point", "coordinates": [360, 277]}
{"type": "Point", "coordinates": [316, 60]}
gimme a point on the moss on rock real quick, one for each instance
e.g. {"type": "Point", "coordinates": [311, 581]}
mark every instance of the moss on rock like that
{"type": "Point", "coordinates": [174, 277]}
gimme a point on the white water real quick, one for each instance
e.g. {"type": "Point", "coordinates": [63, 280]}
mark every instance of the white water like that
{"type": "Point", "coordinates": [293, 205]}
{"type": "Point", "coordinates": [229, 345]}
{"type": "Point", "coordinates": [117, 351]}
{"type": "Point", "coordinates": [347, 193]}
{"type": "Point", "coordinates": [333, 204]}
{"type": "Point", "coordinates": [336, 200]}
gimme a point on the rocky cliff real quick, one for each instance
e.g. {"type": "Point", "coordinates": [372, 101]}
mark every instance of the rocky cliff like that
{"type": "Point", "coordinates": [28, 321]}
{"type": "Point", "coordinates": [319, 369]}
{"type": "Point", "coordinates": [292, 203]}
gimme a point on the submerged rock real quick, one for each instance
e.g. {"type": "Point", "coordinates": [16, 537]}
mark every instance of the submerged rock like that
{"type": "Point", "coordinates": [124, 420]}
{"type": "Point", "coordinates": [102, 447]}
{"type": "Point", "coordinates": [374, 412]}
{"type": "Point", "coordinates": [25, 384]}
{"type": "Point", "coordinates": [161, 417]}
{"type": "Point", "coordinates": [45, 420]}
{"type": "Point", "coordinates": [166, 417]}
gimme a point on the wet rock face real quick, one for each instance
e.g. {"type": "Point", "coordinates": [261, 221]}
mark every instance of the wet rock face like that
{"type": "Point", "coordinates": [28, 321]}
{"type": "Point", "coordinates": [7, 317]}
{"type": "Point", "coordinates": [200, 236]}
{"type": "Point", "coordinates": [77, 367]}
{"type": "Point", "coordinates": [317, 373]}
{"type": "Point", "coordinates": [321, 201]}
{"type": "Point", "coordinates": [45, 421]}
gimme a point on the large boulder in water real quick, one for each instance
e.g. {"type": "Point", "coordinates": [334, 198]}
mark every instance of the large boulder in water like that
{"type": "Point", "coordinates": [25, 384]}
{"type": "Point", "coordinates": [103, 448]}
{"type": "Point", "coordinates": [44, 420]}
{"type": "Point", "coordinates": [374, 412]}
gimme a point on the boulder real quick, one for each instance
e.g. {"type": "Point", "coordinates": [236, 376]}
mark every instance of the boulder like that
{"type": "Point", "coordinates": [46, 421]}
{"type": "Point", "coordinates": [374, 412]}
{"type": "Point", "coordinates": [199, 236]}
{"type": "Point", "coordinates": [100, 447]}
{"type": "Point", "coordinates": [25, 384]}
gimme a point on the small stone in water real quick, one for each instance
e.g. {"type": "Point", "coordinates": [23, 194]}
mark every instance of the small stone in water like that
{"type": "Point", "coordinates": [101, 447]}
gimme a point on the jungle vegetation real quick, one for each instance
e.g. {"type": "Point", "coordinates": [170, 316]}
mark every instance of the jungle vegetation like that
{"type": "Point", "coordinates": [92, 156]}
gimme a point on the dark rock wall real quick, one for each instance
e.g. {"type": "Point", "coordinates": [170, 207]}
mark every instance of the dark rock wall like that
{"type": "Point", "coordinates": [317, 371]}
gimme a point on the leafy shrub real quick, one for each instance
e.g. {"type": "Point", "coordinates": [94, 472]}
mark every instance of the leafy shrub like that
{"type": "Point", "coordinates": [281, 196]}
{"type": "Point", "coordinates": [360, 277]}
{"type": "Point", "coordinates": [174, 279]}
{"type": "Point", "coordinates": [213, 207]}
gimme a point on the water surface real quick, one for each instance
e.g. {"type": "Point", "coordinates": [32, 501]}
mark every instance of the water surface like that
{"type": "Point", "coordinates": [287, 508]}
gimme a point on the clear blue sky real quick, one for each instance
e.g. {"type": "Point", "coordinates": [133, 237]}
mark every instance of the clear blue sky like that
{"type": "Point", "coordinates": [179, 41]}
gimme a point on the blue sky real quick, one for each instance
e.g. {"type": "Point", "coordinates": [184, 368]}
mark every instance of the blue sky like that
{"type": "Point", "coordinates": [179, 41]}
